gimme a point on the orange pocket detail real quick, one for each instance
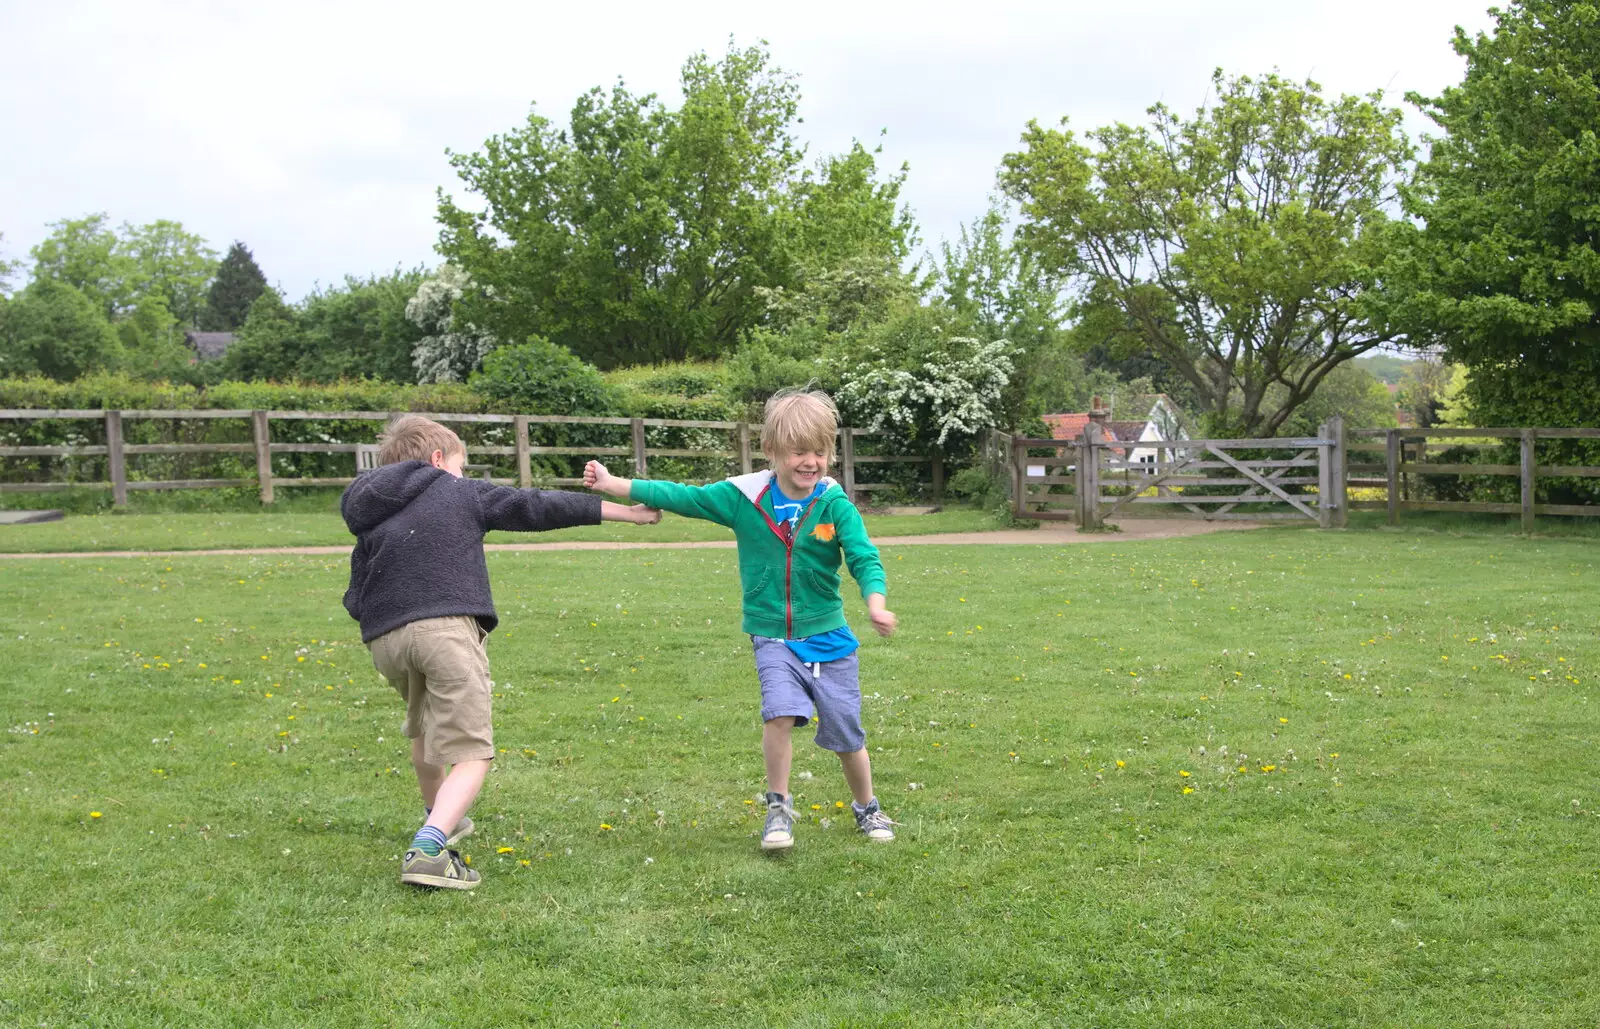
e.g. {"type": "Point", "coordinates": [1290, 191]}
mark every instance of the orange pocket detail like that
{"type": "Point", "coordinates": [823, 531]}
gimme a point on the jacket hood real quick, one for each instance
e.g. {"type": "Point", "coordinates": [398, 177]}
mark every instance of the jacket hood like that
{"type": "Point", "coordinates": [751, 485]}
{"type": "Point", "coordinates": [380, 494]}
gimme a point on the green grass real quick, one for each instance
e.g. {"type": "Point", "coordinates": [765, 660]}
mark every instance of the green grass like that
{"type": "Point", "coordinates": [1422, 852]}
{"type": "Point", "coordinates": [193, 531]}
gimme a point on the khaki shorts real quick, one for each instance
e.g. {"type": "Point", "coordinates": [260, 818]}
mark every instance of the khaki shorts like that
{"type": "Point", "coordinates": [441, 670]}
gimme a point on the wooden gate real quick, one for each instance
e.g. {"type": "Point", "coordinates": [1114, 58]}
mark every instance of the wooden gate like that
{"type": "Point", "coordinates": [1208, 479]}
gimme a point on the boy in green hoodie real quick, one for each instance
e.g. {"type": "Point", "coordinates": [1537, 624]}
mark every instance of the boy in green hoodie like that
{"type": "Point", "coordinates": [793, 524]}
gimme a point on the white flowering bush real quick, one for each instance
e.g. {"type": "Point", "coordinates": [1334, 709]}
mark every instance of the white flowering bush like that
{"type": "Point", "coordinates": [448, 353]}
{"type": "Point", "coordinates": [933, 392]}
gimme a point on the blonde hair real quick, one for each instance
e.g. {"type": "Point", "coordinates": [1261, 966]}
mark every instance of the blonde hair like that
{"type": "Point", "coordinates": [799, 419]}
{"type": "Point", "coordinates": [412, 437]}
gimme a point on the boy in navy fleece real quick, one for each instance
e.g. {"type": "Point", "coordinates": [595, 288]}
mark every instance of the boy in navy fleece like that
{"type": "Point", "coordinates": [419, 586]}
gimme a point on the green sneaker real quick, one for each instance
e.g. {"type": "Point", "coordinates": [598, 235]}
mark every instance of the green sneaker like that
{"type": "Point", "coordinates": [462, 830]}
{"type": "Point", "coordinates": [444, 871]}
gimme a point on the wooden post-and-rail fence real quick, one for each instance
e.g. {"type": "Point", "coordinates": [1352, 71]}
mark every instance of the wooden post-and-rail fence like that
{"type": "Point", "coordinates": [744, 451]}
{"type": "Point", "coordinates": [1102, 481]}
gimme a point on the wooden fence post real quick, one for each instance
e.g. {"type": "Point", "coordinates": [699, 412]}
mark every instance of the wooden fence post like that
{"type": "Point", "coordinates": [1090, 462]}
{"type": "Point", "coordinates": [524, 459]}
{"type": "Point", "coordinates": [258, 422]}
{"type": "Point", "coordinates": [938, 479]}
{"type": "Point", "coordinates": [1017, 476]}
{"type": "Point", "coordinates": [1527, 480]}
{"type": "Point", "coordinates": [116, 465]}
{"type": "Point", "coordinates": [1341, 474]}
{"type": "Point", "coordinates": [638, 448]}
{"type": "Point", "coordinates": [1391, 453]}
{"type": "Point", "coordinates": [847, 460]}
{"type": "Point", "coordinates": [1324, 479]}
{"type": "Point", "coordinates": [744, 448]}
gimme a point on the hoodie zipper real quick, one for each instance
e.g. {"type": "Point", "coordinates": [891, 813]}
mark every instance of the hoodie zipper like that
{"type": "Point", "coordinates": [788, 561]}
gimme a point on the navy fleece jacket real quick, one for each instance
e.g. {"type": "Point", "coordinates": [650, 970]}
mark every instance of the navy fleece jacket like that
{"type": "Point", "coordinates": [419, 541]}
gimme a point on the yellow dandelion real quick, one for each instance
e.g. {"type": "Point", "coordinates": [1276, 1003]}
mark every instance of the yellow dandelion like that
{"type": "Point", "coordinates": [1188, 789]}
{"type": "Point", "coordinates": [525, 863]}
{"type": "Point", "coordinates": [1183, 773]}
{"type": "Point", "coordinates": [838, 804]}
{"type": "Point", "coordinates": [94, 814]}
{"type": "Point", "coordinates": [506, 850]}
{"type": "Point", "coordinates": [1121, 764]}
{"type": "Point", "coordinates": [1283, 721]}
{"type": "Point", "coordinates": [605, 827]}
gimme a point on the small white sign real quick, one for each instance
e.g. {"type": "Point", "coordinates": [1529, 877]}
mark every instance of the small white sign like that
{"type": "Point", "coordinates": [1036, 471]}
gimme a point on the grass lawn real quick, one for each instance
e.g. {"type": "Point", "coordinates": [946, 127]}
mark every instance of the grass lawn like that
{"type": "Point", "coordinates": [232, 529]}
{"type": "Point", "coordinates": [1266, 778]}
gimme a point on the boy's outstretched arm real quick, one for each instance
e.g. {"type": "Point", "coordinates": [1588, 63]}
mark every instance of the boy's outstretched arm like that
{"type": "Point", "coordinates": [638, 514]}
{"type": "Point", "coordinates": [715, 503]}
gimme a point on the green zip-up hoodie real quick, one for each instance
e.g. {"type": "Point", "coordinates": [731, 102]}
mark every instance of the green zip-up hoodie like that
{"type": "Point", "coordinates": [791, 588]}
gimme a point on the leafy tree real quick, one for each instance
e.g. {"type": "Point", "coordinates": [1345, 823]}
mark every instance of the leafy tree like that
{"type": "Point", "coordinates": [1507, 275]}
{"type": "Point", "coordinates": [1350, 392]}
{"type": "Point", "coordinates": [932, 389]}
{"type": "Point", "coordinates": [640, 234]}
{"type": "Point", "coordinates": [1239, 245]}
{"type": "Point", "coordinates": [52, 329]}
{"type": "Point", "coordinates": [445, 351]}
{"type": "Point", "coordinates": [1424, 390]}
{"type": "Point", "coordinates": [8, 268]}
{"type": "Point", "coordinates": [152, 343]}
{"type": "Point", "coordinates": [269, 345]}
{"type": "Point", "coordinates": [165, 260]}
{"type": "Point", "coordinates": [539, 377]}
{"type": "Point", "coordinates": [360, 329]}
{"type": "Point", "coordinates": [1384, 367]}
{"type": "Point", "coordinates": [999, 291]}
{"type": "Point", "coordinates": [86, 254]}
{"type": "Point", "coordinates": [236, 284]}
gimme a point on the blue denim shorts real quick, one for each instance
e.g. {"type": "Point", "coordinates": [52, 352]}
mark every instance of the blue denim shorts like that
{"type": "Point", "coordinates": [830, 689]}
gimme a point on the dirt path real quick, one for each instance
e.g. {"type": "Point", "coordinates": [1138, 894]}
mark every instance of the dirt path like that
{"type": "Point", "coordinates": [1057, 533]}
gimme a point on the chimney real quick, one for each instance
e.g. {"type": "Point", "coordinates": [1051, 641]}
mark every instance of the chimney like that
{"type": "Point", "coordinates": [1098, 413]}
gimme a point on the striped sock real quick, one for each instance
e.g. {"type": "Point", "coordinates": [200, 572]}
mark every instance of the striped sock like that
{"type": "Point", "coordinates": [429, 839]}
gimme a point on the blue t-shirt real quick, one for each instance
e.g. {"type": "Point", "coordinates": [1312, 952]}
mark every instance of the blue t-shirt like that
{"type": "Point", "coordinates": [824, 646]}
{"type": "Point", "coordinates": [786, 510]}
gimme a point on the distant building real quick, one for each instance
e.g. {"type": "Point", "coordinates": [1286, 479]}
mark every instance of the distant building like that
{"type": "Point", "coordinates": [1161, 421]}
{"type": "Point", "coordinates": [207, 346]}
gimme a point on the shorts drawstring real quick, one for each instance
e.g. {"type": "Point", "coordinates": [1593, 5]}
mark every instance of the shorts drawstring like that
{"type": "Point", "coordinates": [816, 670]}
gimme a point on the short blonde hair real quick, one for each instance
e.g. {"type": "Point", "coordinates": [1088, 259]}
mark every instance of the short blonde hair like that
{"type": "Point", "coordinates": [412, 437]}
{"type": "Point", "coordinates": [799, 419]}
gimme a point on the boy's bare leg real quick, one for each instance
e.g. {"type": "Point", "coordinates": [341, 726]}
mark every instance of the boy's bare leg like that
{"type": "Point", "coordinates": [429, 777]}
{"type": "Point", "coordinates": [456, 794]}
{"type": "Point", "coordinates": [777, 747]}
{"type": "Point", "coordinates": [858, 774]}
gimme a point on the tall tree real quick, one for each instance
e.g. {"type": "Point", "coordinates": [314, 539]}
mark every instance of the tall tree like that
{"type": "Point", "coordinates": [234, 287]}
{"type": "Point", "coordinates": [86, 254]}
{"type": "Point", "coordinates": [53, 329]}
{"type": "Point", "coordinates": [1240, 244]}
{"type": "Point", "coordinates": [643, 234]}
{"type": "Point", "coordinates": [167, 261]}
{"type": "Point", "coordinates": [270, 343]}
{"type": "Point", "coordinates": [8, 268]}
{"type": "Point", "coordinates": [1507, 276]}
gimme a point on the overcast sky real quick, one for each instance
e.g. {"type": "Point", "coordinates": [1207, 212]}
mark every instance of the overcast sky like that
{"type": "Point", "coordinates": [316, 131]}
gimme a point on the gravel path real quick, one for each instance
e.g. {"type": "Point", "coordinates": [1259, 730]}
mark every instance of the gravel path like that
{"type": "Point", "coordinates": [1056, 533]}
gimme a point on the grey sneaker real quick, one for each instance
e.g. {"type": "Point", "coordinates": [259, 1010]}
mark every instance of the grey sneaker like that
{"type": "Point", "coordinates": [872, 821]}
{"type": "Point", "coordinates": [779, 831]}
{"type": "Point", "coordinates": [462, 830]}
{"type": "Point", "coordinates": [445, 871]}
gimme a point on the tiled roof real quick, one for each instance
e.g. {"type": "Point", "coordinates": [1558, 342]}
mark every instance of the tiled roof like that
{"type": "Point", "coordinates": [209, 345]}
